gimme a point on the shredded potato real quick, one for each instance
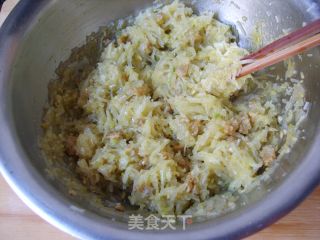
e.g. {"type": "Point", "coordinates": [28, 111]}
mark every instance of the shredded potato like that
{"type": "Point", "coordinates": [159, 118]}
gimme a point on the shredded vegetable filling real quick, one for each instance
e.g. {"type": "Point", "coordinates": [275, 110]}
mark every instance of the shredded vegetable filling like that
{"type": "Point", "coordinates": [162, 117]}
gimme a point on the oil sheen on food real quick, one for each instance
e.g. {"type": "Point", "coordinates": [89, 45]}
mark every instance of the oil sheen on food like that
{"type": "Point", "coordinates": [163, 119]}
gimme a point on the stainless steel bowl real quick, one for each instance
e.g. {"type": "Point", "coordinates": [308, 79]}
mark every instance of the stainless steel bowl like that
{"type": "Point", "coordinates": [39, 34]}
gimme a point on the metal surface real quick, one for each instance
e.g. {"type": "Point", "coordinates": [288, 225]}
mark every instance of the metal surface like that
{"type": "Point", "coordinates": [39, 34]}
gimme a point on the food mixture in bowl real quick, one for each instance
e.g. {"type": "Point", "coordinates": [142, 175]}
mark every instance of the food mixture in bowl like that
{"type": "Point", "coordinates": [163, 118]}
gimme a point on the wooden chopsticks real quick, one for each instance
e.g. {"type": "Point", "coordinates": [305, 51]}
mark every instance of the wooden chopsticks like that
{"type": "Point", "coordinates": [279, 50]}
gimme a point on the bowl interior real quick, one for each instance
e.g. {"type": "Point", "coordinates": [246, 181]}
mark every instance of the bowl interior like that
{"type": "Point", "coordinates": [63, 25]}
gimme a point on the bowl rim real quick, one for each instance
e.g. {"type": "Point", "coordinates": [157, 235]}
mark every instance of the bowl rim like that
{"type": "Point", "coordinates": [17, 173]}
